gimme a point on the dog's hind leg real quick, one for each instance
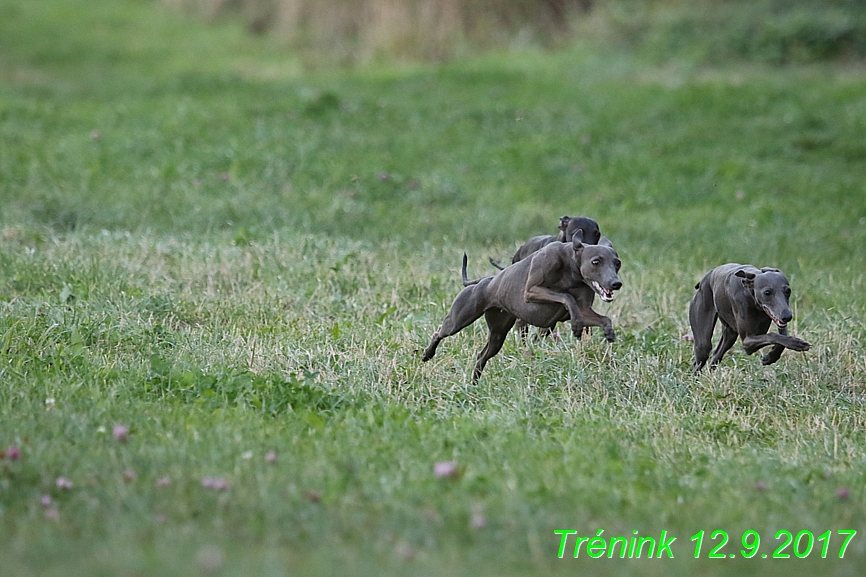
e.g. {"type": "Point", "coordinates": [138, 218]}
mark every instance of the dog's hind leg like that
{"type": "Point", "coordinates": [544, 332]}
{"type": "Point", "coordinates": [467, 308]}
{"type": "Point", "coordinates": [702, 318]}
{"type": "Point", "coordinates": [524, 331]}
{"type": "Point", "coordinates": [522, 328]}
{"type": "Point", "coordinates": [729, 337]}
{"type": "Point", "coordinates": [499, 323]}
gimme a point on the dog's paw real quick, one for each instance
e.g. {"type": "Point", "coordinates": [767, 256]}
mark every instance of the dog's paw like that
{"type": "Point", "coordinates": [609, 333]}
{"type": "Point", "coordinates": [769, 359]}
{"type": "Point", "coordinates": [799, 345]}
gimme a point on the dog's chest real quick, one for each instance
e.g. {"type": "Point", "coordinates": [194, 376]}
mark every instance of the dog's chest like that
{"type": "Point", "coordinates": [563, 280]}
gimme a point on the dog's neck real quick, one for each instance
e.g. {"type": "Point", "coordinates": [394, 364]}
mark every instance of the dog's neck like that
{"type": "Point", "coordinates": [751, 292]}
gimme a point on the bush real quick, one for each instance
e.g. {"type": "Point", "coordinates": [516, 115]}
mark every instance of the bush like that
{"type": "Point", "coordinates": [764, 31]}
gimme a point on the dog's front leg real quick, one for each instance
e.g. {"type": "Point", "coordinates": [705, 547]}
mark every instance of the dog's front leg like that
{"type": "Point", "coordinates": [776, 352]}
{"type": "Point", "coordinates": [540, 294]}
{"type": "Point", "coordinates": [590, 318]}
{"type": "Point", "coordinates": [752, 343]}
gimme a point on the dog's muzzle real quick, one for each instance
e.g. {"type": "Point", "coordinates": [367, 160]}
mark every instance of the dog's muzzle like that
{"type": "Point", "coordinates": [604, 294]}
{"type": "Point", "coordinates": [779, 322]}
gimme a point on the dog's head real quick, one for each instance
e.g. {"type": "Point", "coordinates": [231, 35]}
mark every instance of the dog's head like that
{"type": "Point", "coordinates": [599, 265]}
{"type": "Point", "coordinates": [772, 293]}
{"type": "Point", "coordinates": [570, 225]}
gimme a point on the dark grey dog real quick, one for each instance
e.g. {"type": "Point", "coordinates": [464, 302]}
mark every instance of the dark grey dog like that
{"type": "Point", "coordinates": [558, 282]}
{"type": "Point", "coordinates": [568, 226]}
{"type": "Point", "coordinates": [746, 300]}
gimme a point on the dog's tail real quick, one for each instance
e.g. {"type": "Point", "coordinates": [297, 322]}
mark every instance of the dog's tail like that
{"type": "Point", "coordinates": [466, 281]}
{"type": "Point", "coordinates": [496, 264]}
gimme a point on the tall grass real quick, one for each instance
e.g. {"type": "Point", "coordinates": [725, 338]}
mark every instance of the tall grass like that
{"type": "Point", "coordinates": [360, 30]}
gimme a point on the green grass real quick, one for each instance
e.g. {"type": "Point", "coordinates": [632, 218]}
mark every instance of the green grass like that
{"type": "Point", "coordinates": [229, 255]}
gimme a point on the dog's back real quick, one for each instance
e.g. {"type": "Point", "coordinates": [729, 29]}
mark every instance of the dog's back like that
{"type": "Point", "coordinates": [532, 245]}
{"type": "Point", "coordinates": [568, 227]}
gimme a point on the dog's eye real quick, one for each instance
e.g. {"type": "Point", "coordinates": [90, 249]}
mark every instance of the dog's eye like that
{"type": "Point", "coordinates": [617, 263]}
{"type": "Point", "coordinates": [767, 292]}
{"type": "Point", "coordinates": [787, 292]}
{"type": "Point", "coordinates": [596, 261]}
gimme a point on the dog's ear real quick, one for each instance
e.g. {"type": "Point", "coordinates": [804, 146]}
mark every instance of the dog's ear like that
{"type": "Point", "coordinates": [577, 239]}
{"type": "Point", "coordinates": [563, 222]}
{"type": "Point", "coordinates": [604, 241]}
{"type": "Point", "coordinates": [748, 278]}
{"type": "Point", "coordinates": [770, 269]}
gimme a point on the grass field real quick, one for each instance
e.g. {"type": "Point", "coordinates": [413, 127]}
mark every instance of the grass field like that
{"type": "Point", "coordinates": [217, 269]}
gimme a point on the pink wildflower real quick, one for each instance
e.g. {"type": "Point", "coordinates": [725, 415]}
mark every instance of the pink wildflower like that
{"type": "Point", "coordinates": [121, 433]}
{"type": "Point", "coordinates": [445, 469]}
{"type": "Point", "coordinates": [215, 483]}
{"type": "Point", "coordinates": [478, 520]}
{"type": "Point", "coordinates": [210, 558]}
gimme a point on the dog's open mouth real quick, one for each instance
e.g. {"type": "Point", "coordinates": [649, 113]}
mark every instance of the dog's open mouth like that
{"type": "Point", "coordinates": [604, 294]}
{"type": "Point", "coordinates": [779, 323]}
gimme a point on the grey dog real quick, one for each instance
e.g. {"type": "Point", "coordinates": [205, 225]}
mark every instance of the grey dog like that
{"type": "Point", "coordinates": [747, 300]}
{"type": "Point", "coordinates": [558, 282]}
{"type": "Point", "coordinates": [568, 227]}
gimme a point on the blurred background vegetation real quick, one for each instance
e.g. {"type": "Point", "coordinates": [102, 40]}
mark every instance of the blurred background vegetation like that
{"type": "Point", "coordinates": [352, 31]}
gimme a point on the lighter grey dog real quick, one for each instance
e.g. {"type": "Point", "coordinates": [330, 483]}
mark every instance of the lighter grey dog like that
{"type": "Point", "coordinates": [554, 284]}
{"type": "Point", "coordinates": [569, 226]}
{"type": "Point", "coordinates": [747, 300]}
